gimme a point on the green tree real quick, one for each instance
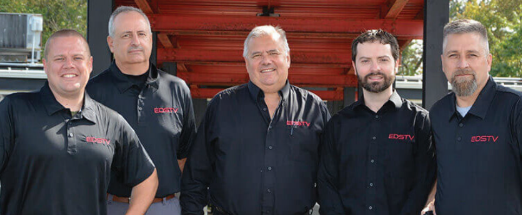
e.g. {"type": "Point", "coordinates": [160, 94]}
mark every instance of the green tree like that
{"type": "Point", "coordinates": [411, 59]}
{"type": "Point", "coordinates": [57, 14]}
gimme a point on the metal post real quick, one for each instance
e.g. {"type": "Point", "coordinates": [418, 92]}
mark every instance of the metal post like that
{"type": "Point", "coordinates": [434, 84]}
{"type": "Point", "coordinates": [98, 14]}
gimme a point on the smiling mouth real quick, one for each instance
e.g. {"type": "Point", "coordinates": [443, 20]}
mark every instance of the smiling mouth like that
{"type": "Point", "coordinates": [69, 75]}
{"type": "Point", "coordinates": [267, 70]}
{"type": "Point", "coordinates": [375, 78]}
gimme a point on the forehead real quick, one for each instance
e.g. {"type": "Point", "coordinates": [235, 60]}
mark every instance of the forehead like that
{"type": "Point", "coordinates": [67, 45]}
{"type": "Point", "coordinates": [373, 49]}
{"type": "Point", "coordinates": [468, 41]}
{"type": "Point", "coordinates": [130, 20]}
{"type": "Point", "coordinates": [265, 42]}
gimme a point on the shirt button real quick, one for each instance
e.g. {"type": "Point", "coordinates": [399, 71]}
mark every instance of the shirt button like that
{"type": "Point", "coordinates": [264, 109]}
{"type": "Point", "coordinates": [71, 134]}
{"type": "Point", "coordinates": [376, 116]}
{"type": "Point", "coordinates": [373, 161]}
{"type": "Point", "coordinates": [370, 207]}
{"type": "Point", "coordinates": [460, 125]}
{"type": "Point", "coordinates": [269, 147]}
{"type": "Point", "coordinates": [374, 138]}
{"type": "Point", "coordinates": [459, 138]}
{"type": "Point", "coordinates": [260, 170]}
{"type": "Point", "coordinates": [269, 168]}
{"type": "Point", "coordinates": [268, 190]}
{"type": "Point", "coordinates": [139, 108]}
{"type": "Point", "coordinates": [371, 184]}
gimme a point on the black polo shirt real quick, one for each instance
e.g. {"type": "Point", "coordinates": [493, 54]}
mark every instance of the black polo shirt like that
{"type": "Point", "coordinates": [52, 163]}
{"type": "Point", "coordinates": [377, 163]}
{"type": "Point", "coordinates": [253, 164]}
{"type": "Point", "coordinates": [161, 113]}
{"type": "Point", "coordinates": [479, 155]}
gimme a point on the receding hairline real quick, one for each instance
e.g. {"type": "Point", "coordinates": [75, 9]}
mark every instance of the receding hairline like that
{"type": "Point", "coordinates": [65, 33]}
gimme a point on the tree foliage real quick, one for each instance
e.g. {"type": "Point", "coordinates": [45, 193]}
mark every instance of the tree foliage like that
{"type": "Point", "coordinates": [57, 14]}
{"type": "Point", "coordinates": [503, 20]}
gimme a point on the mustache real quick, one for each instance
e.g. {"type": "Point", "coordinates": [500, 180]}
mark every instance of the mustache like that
{"type": "Point", "coordinates": [135, 48]}
{"type": "Point", "coordinates": [464, 72]}
{"type": "Point", "coordinates": [373, 73]}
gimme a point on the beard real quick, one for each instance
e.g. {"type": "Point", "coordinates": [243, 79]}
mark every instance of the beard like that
{"type": "Point", "coordinates": [461, 86]}
{"type": "Point", "coordinates": [376, 87]}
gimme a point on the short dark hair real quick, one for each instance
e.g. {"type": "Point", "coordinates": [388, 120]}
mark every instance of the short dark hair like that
{"type": "Point", "coordinates": [376, 35]}
{"type": "Point", "coordinates": [463, 26]}
{"type": "Point", "coordinates": [64, 33]}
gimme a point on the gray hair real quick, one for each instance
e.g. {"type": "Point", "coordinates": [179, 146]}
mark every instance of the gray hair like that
{"type": "Point", "coordinates": [125, 9]}
{"type": "Point", "coordinates": [463, 26]}
{"type": "Point", "coordinates": [263, 31]}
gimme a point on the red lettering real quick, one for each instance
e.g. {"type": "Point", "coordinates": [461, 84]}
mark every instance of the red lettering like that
{"type": "Point", "coordinates": [166, 110]}
{"type": "Point", "coordinates": [400, 137]}
{"type": "Point", "coordinates": [484, 138]}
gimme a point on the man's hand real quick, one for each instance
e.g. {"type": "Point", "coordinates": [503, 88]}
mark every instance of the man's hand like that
{"type": "Point", "coordinates": [429, 207]}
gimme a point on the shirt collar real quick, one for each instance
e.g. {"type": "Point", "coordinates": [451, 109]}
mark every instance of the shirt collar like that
{"type": "Point", "coordinates": [53, 106]}
{"type": "Point", "coordinates": [481, 105]}
{"type": "Point", "coordinates": [394, 99]}
{"type": "Point", "coordinates": [49, 101]}
{"type": "Point", "coordinates": [255, 91]}
{"type": "Point", "coordinates": [123, 83]}
{"type": "Point", "coordinates": [89, 111]}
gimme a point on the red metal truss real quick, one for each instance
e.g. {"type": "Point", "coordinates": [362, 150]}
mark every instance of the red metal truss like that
{"type": "Point", "coordinates": [205, 37]}
{"type": "Point", "coordinates": [166, 22]}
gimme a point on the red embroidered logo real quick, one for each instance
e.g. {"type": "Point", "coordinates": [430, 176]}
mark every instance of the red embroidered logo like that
{"type": "Point", "coordinates": [97, 140]}
{"type": "Point", "coordinates": [484, 138]}
{"type": "Point", "coordinates": [298, 123]}
{"type": "Point", "coordinates": [165, 110]}
{"type": "Point", "coordinates": [400, 137]}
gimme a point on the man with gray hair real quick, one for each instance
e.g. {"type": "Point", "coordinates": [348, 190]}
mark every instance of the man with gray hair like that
{"type": "Point", "coordinates": [156, 104]}
{"type": "Point", "coordinates": [257, 147]}
{"type": "Point", "coordinates": [477, 130]}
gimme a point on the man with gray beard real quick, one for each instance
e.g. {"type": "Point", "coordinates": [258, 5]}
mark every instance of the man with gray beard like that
{"type": "Point", "coordinates": [377, 156]}
{"type": "Point", "coordinates": [477, 130]}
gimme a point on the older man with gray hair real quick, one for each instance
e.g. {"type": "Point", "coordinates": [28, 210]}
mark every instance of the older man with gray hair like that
{"type": "Point", "coordinates": [257, 147]}
{"type": "Point", "coordinates": [157, 105]}
{"type": "Point", "coordinates": [477, 130]}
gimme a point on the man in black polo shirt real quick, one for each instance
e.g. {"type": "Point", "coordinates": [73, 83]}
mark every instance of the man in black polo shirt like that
{"type": "Point", "coordinates": [257, 146]}
{"type": "Point", "coordinates": [156, 104]}
{"type": "Point", "coordinates": [477, 130]}
{"type": "Point", "coordinates": [377, 156]}
{"type": "Point", "coordinates": [58, 146]}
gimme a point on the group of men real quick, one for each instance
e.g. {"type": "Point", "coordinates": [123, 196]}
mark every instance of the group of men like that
{"type": "Point", "coordinates": [265, 147]}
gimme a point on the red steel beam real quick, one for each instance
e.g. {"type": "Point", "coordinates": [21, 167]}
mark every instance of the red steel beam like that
{"type": "Point", "coordinates": [165, 55]}
{"type": "Point", "coordinates": [144, 6]}
{"type": "Point", "coordinates": [165, 41]}
{"type": "Point", "coordinates": [168, 22]}
{"type": "Point", "coordinates": [327, 95]}
{"type": "Point", "coordinates": [301, 79]}
{"type": "Point", "coordinates": [396, 9]}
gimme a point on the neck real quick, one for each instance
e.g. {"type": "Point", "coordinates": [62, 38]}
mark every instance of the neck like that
{"type": "Point", "coordinates": [272, 101]}
{"type": "Point", "coordinates": [133, 69]}
{"type": "Point", "coordinates": [375, 101]}
{"type": "Point", "coordinates": [73, 102]}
